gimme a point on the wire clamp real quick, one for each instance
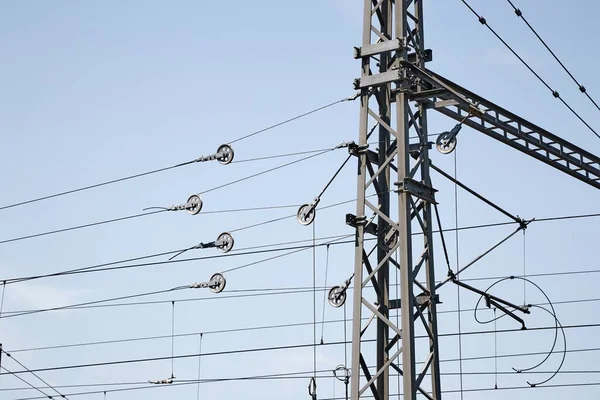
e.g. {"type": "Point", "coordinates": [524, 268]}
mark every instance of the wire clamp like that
{"type": "Point", "coordinates": [345, 144]}
{"type": "Point", "coordinates": [216, 284]}
{"type": "Point", "coordinates": [224, 155]}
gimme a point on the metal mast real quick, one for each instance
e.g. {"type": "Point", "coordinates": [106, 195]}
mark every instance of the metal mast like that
{"type": "Point", "coordinates": [393, 37]}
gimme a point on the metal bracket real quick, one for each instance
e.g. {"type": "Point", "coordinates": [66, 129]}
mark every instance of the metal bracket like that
{"type": "Point", "coordinates": [216, 284]}
{"type": "Point", "coordinates": [357, 150]}
{"type": "Point", "coordinates": [422, 299]}
{"type": "Point", "coordinates": [353, 221]}
{"type": "Point", "coordinates": [417, 189]}
{"type": "Point", "coordinates": [379, 48]}
{"type": "Point", "coordinates": [224, 155]}
{"type": "Point", "coordinates": [381, 79]}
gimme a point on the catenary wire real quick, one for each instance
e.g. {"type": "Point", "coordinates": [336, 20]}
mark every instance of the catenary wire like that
{"type": "Point", "coordinates": [96, 268]}
{"type": "Point", "coordinates": [291, 375]}
{"type": "Point", "coordinates": [293, 119]}
{"type": "Point", "coordinates": [554, 92]}
{"type": "Point", "coordinates": [264, 327]}
{"type": "Point", "coordinates": [26, 382]}
{"type": "Point", "coordinates": [34, 374]}
{"type": "Point", "coordinates": [266, 171]}
{"type": "Point", "coordinates": [305, 346]}
{"type": "Point", "coordinates": [161, 210]}
{"type": "Point", "coordinates": [581, 88]}
{"type": "Point", "coordinates": [129, 177]}
{"type": "Point", "coordinates": [297, 376]}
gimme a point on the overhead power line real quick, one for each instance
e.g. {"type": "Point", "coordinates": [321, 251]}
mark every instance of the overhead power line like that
{"type": "Point", "coordinates": [324, 374]}
{"type": "Point", "coordinates": [291, 347]}
{"type": "Point", "coordinates": [112, 220]}
{"type": "Point", "coordinates": [483, 21]}
{"type": "Point", "coordinates": [100, 267]}
{"type": "Point", "coordinates": [34, 374]}
{"type": "Point", "coordinates": [581, 88]}
{"type": "Point", "coordinates": [274, 326]}
{"type": "Point", "coordinates": [155, 171]}
{"type": "Point", "coordinates": [294, 118]}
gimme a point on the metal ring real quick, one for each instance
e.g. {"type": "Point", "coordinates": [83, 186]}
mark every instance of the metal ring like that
{"type": "Point", "coordinates": [194, 204]}
{"type": "Point", "coordinates": [219, 284]}
{"type": "Point", "coordinates": [341, 368]}
{"type": "Point", "coordinates": [228, 242]}
{"type": "Point", "coordinates": [445, 143]}
{"type": "Point", "coordinates": [336, 296]}
{"type": "Point", "coordinates": [306, 214]}
{"type": "Point", "coordinates": [227, 154]}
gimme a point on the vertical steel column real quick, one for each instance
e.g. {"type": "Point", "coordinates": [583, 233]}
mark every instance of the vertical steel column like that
{"type": "Point", "coordinates": [360, 210]}
{"type": "Point", "coordinates": [384, 97]}
{"type": "Point", "coordinates": [393, 37]}
{"type": "Point", "coordinates": [427, 217]}
{"type": "Point", "coordinates": [405, 223]}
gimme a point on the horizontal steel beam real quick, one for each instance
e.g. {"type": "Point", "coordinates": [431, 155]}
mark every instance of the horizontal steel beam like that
{"type": "Point", "coordinates": [498, 123]}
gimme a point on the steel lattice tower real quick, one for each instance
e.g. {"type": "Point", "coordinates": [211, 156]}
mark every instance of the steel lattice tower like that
{"type": "Point", "coordinates": [396, 91]}
{"type": "Point", "coordinates": [392, 35]}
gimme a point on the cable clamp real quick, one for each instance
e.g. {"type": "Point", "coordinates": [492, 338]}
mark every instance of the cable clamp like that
{"type": "Point", "coordinates": [167, 381]}
{"type": "Point", "coordinates": [357, 150]}
{"type": "Point", "coordinates": [344, 144]}
{"type": "Point", "coordinates": [353, 97]}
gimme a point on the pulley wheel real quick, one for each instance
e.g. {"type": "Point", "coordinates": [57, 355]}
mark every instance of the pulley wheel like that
{"type": "Point", "coordinates": [306, 214]}
{"type": "Point", "coordinates": [194, 204]}
{"type": "Point", "coordinates": [227, 241]}
{"type": "Point", "coordinates": [336, 296]}
{"type": "Point", "coordinates": [445, 142]}
{"type": "Point", "coordinates": [391, 238]}
{"type": "Point", "coordinates": [218, 283]}
{"type": "Point", "coordinates": [226, 152]}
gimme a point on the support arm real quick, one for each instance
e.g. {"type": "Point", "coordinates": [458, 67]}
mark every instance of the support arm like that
{"type": "Point", "coordinates": [494, 121]}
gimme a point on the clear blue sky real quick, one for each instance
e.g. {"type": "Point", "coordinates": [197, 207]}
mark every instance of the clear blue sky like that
{"type": "Point", "coordinates": [92, 91]}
